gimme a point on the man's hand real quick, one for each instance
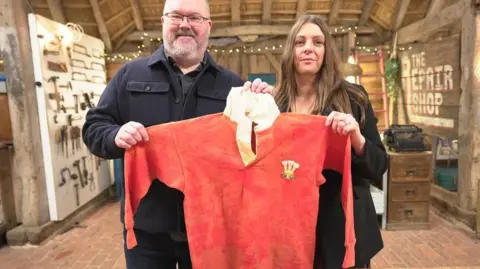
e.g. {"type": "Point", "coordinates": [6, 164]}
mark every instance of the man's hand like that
{"type": "Point", "coordinates": [257, 86]}
{"type": "Point", "coordinates": [130, 134]}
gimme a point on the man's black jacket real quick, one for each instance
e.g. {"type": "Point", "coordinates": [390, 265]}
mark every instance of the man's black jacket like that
{"type": "Point", "coordinates": [148, 91]}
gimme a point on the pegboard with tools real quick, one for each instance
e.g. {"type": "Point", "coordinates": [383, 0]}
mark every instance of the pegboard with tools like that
{"type": "Point", "coordinates": [70, 76]}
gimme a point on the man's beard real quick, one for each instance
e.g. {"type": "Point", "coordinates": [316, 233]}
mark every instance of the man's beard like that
{"type": "Point", "coordinates": [184, 51]}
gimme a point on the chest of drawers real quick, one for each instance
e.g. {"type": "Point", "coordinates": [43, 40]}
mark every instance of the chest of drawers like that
{"type": "Point", "coordinates": [409, 179]}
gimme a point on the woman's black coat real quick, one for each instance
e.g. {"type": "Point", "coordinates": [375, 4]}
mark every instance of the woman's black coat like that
{"type": "Point", "coordinates": [369, 168]}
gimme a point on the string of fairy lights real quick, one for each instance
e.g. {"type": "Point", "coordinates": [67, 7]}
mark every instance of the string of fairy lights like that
{"type": "Point", "coordinates": [156, 42]}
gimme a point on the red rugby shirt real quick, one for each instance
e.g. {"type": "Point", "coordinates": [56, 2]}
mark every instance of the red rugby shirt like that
{"type": "Point", "coordinates": [257, 215]}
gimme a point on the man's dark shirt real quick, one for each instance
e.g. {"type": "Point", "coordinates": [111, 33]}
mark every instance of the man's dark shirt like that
{"type": "Point", "coordinates": [186, 80]}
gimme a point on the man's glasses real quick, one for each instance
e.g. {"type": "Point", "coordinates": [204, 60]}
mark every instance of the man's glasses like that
{"type": "Point", "coordinates": [192, 19]}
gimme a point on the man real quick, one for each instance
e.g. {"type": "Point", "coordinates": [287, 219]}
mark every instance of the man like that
{"type": "Point", "coordinates": [179, 81]}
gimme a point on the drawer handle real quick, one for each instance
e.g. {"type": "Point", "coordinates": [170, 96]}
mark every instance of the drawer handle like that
{"type": "Point", "coordinates": [409, 192]}
{"type": "Point", "coordinates": [408, 212]}
{"type": "Point", "coordinates": [411, 172]}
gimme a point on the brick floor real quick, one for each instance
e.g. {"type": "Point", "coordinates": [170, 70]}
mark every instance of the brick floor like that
{"type": "Point", "coordinates": [97, 244]}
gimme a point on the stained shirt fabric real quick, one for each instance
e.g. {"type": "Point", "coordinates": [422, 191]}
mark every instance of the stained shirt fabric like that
{"type": "Point", "coordinates": [244, 207]}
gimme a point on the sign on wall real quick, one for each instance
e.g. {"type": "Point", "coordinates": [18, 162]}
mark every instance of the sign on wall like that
{"type": "Point", "coordinates": [70, 76]}
{"type": "Point", "coordinates": [431, 84]}
{"type": "Point", "coordinates": [270, 78]}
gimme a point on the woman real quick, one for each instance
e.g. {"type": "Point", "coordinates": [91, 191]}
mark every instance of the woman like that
{"type": "Point", "coordinates": [311, 82]}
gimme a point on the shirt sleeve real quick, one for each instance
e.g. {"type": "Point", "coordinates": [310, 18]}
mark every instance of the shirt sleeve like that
{"type": "Point", "coordinates": [338, 158]}
{"type": "Point", "coordinates": [157, 158]}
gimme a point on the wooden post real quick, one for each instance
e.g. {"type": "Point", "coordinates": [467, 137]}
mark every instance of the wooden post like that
{"type": "Point", "coordinates": [477, 228]}
{"type": "Point", "coordinates": [28, 160]}
{"type": "Point", "coordinates": [469, 125]}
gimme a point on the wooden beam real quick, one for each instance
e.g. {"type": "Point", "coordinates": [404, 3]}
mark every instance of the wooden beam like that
{"type": "Point", "coordinates": [28, 166]}
{"type": "Point", "coordinates": [235, 11]}
{"type": "Point", "coordinates": [102, 27]}
{"type": "Point", "coordinates": [434, 7]}
{"type": "Point", "coordinates": [121, 41]}
{"type": "Point", "coordinates": [248, 38]}
{"type": "Point", "coordinates": [76, 5]}
{"type": "Point", "coordinates": [469, 122]}
{"type": "Point", "coordinates": [125, 29]}
{"type": "Point", "coordinates": [266, 11]}
{"type": "Point", "coordinates": [301, 7]}
{"type": "Point", "coordinates": [56, 10]}
{"type": "Point", "coordinates": [274, 62]}
{"type": "Point", "coordinates": [137, 16]}
{"type": "Point", "coordinates": [366, 12]}
{"type": "Point", "coordinates": [243, 30]}
{"type": "Point", "coordinates": [118, 15]}
{"type": "Point", "coordinates": [401, 11]}
{"type": "Point", "coordinates": [334, 10]}
{"type": "Point", "coordinates": [429, 26]}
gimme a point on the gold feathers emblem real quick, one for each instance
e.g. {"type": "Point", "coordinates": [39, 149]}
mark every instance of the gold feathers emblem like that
{"type": "Point", "coordinates": [289, 168]}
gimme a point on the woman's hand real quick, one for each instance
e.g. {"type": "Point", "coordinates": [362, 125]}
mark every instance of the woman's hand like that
{"type": "Point", "coordinates": [346, 124]}
{"type": "Point", "coordinates": [257, 86]}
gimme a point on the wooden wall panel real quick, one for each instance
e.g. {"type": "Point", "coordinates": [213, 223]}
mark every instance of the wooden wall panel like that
{"type": "Point", "coordinates": [112, 68]}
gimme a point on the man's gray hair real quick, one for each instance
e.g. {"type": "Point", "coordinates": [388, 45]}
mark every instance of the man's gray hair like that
{"type": "Point", "coordinates": [206, 2]}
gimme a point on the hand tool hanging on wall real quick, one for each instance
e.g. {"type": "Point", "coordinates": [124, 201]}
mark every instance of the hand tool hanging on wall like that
{"type": "Point", "coordinates": [57, 67]}
{"type": "Point", "coordinates": [47, 52]}
{"type": "Point", "coordinates": [72, 140]}
{"type": "Point", "coordinates": [87, 100]}
{"type": "Point", "coordinates": [75, 97]}
{"type": "Point", "coordinates": [94, 94]}
{"type": "Point", "coordinates": [97, 54]}
{"type": "Point", "coordinates": [77, 48]}
{"type": "Point", "coordinates": [76, 164]}
{"type": "Point", "coordinates": [54, 96]}
{"type": "Point", "coordinates": [64, 108]}
{"type": "Point", "coordinates": [79, 76]}
{"type": "Point", "coordinates": [64, 180]}
{"type": "Point", "coordinates": [77, 194]}
{"type": "Point", "coordinates": [83, 106]}
{"type": "Point", "coordinates": [97, 162]}
{"type": "Point", "coordinates": [78, 135]}
{"type": "Point", "coordinates": [82, 64]}
{"type": "Point", "coordinates": [69, 52]}
{"type": "Point", "coordinates": [98, 80]}
{"type": "Point", "coordinates": [75, 136]}
{"type": "Point", "coordinates": [97, 66]}
{"type": "Point", "coordinates": [91, 182]}
{"type": "Point", "coordinates": [79, 63]}
{"type": "Point", "coordinates": [53, 79]}
{"type": "Point", "coordinates": [64, 137]}
{"type": "Point", "coordinates": [67, 86]}
{"type": "Point", "coordinates": [71, 119]}
{"type": "Point", "coordinates": [85, 170]}
{"type": "Point", "coordinates": [60, 139]}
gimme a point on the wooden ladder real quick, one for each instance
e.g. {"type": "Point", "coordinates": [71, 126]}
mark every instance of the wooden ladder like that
{"type": "Point", "coordinates": [373, 80]}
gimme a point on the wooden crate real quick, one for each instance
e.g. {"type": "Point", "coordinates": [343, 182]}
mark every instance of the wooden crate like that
{"type": "Point", "coordinates": [409, 181]}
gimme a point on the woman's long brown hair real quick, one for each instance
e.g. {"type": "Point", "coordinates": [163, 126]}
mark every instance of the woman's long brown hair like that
{"type": "Point", "coordinates": [333, 93]}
